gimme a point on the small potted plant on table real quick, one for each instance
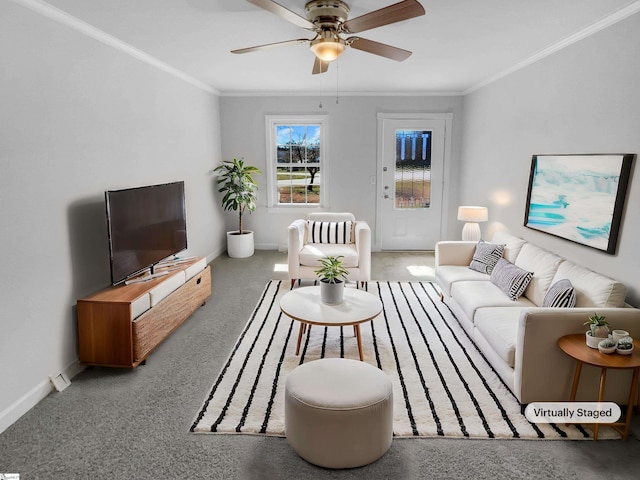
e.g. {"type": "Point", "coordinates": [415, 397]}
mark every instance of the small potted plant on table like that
{"type": "Point", "coordinates": [332, 277]}
{"type": "Point", "coordinates": [625, 346]}
{"type": "Point", "coordinates": [598, 329]}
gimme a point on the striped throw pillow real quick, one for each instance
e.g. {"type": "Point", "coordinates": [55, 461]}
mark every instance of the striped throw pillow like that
{"type": "Point", "coordinates": [329, 232]}
{"type": "Point", "coordinates": [511, 279]}
{"type": "Point", "coordinates": [560, 295]}
{"type": "Point", "coordinates": [486, 256]}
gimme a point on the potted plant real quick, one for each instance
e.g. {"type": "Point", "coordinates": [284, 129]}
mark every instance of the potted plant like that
{"type": "Point", "coordinates": [598, 329]}
{"type": "Point", "coordinates": [625, 346]}
{"type": "Point", "coordinates": [332, 275]}
{"type": "Point", "coordinates": [608, 345]}
{"type": "Point", "coordinates": [236, 183]}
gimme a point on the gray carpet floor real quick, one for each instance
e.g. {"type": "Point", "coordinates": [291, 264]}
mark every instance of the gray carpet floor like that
{"type": "Point", "coordinates": [134, 424]}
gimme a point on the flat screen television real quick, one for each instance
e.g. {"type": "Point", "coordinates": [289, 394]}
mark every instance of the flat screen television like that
{"type": "Point", "coordinates": [145, 225]}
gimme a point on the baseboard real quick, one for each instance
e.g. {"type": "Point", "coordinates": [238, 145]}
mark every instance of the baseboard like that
{"type": "Point", "coordinates": [30, 399]}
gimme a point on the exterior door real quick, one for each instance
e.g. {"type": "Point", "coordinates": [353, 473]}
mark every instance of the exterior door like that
{"type": "Point", "coordinates": [411, 162]}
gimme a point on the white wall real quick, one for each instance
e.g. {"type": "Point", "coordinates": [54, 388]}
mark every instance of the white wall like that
{"type": "Point", "coordinates": [352, 150]}
{"type": "Point", "coordinates": [79, 117]}
{"type": "Point", "coordinates": [583, 99]}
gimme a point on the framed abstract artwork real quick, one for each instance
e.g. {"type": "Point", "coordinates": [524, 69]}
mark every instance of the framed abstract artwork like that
{"type": "Point", "coordinates": [579, 197]}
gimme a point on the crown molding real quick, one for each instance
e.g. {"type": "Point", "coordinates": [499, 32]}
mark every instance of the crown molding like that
{"type": "Point", "coordinates": [595, 27]}
{"type": "Point", "coordinates": [341, 94]}
{"type": "Point", "coordinates": [62, 17]}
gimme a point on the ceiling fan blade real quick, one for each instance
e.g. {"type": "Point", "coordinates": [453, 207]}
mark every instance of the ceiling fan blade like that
{"type": "Point", "coordinates": [377, 48]}
{"type": "Point", "coordinates": [319, 66]}
{"type": "Point", "coordinates": [283, 12]}
{"type": "Point", "coordinates": [384, 16]}
{"type": "Point", "coordinates": [270, 45]}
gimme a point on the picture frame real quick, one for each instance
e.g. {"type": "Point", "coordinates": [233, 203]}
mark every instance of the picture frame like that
{"type": "Point", "coordinates": [579, 198]}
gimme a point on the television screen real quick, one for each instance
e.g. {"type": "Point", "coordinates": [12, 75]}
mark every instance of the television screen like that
{"type": "Point", "coordinates": [145, 225]}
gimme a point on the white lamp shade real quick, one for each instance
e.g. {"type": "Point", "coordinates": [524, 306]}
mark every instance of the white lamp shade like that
{"type": "Point", "coordinates": [473, 214]}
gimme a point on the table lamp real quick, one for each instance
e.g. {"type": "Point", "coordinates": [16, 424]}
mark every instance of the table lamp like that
{"type": "Point", "coordinates": [472, 215]}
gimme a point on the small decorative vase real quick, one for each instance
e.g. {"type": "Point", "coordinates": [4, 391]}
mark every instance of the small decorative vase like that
{"type": "Point", "coordinates": [601, 331]}
{"type": "Point", "coordinates": [331, 293]}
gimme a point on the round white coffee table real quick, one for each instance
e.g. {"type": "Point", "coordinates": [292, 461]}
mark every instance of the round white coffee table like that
{"type": "Point", "coordinates": [304, 305]}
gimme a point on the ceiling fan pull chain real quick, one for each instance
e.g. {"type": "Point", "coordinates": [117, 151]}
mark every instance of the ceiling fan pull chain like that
{"type": "Point", "coordinates": [337, 72]}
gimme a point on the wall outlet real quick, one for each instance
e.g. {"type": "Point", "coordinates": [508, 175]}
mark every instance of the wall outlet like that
{"type": "Point", "coordinates": [60, 382]}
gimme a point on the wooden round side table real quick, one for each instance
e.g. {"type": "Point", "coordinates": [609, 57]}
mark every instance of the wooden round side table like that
{"type": "Point", "coordinates": [576, 348]}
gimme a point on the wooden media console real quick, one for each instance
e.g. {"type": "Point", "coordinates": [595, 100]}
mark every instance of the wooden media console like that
{"type": "Point", "coordinates": [120, 326]}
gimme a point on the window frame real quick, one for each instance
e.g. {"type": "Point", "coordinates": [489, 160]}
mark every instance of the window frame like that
{"type": "Point", "coordinates": [271, 122]}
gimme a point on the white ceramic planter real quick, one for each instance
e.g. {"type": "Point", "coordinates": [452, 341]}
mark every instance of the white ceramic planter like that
{"type": "Point", "coordinates": [625, 352]}
{"type": "Point", "coordinates": [240, 246]}
{"type": "Point", "coordinates": [591, 340]}
{"type": "Point", "coordinates": [331, 293]}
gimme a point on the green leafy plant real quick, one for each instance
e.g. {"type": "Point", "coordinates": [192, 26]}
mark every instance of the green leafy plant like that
{"type": "Point", "coordinates": [596, 319]}
{"type": "Point", "coordinates": [238, 187]}
{"type": "Point", "coordinates": [599, 326]}
{"type": "Point", "coordinates": [332, 270]}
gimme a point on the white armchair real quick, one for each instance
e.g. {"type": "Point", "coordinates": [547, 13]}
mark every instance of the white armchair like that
{"type": "Point", "coordinates": [306, 247]}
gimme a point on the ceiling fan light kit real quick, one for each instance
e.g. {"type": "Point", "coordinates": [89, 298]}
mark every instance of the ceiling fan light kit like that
{"type": "Point", "coordinates": [329, 18]}
{"type": "Point", "coordinates": [327, 47]}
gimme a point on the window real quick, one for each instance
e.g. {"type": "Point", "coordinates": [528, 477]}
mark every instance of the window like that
{"type": "Point", "coordinates": [296, 167]}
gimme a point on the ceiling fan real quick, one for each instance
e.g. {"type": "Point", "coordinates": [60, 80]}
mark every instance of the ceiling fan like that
{"type": "Point", "coordinates": [329, 19]}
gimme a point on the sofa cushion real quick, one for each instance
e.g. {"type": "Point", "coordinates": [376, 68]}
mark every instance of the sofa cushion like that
{"type": "Point", "coordinates": [486, 256]}
{"type": "Point", "coordinates": [472, 295]}
{"type": "Point", "coordinates": [511, 279]}
{"type": "Point", "coordinates": [560, 295]}
{"type": "Point", "coordinates": [446, 275]}
{"type": "Point", "coordinates": [499, 327]}
{"type": "Point", "coordinates": [592, 289]}
{"type": "Point", "coordinates": [329, 232]}
{"type": "Point", "coordinates": [512, 244]}
{"type": "Point", "coordinates": [311, 253]}
{"type": "Point", "coordinates": [544, 266]}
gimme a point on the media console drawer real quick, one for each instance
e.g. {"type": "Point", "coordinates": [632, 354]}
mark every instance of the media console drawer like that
{"type": "Point", "coordinates": [153, 326]}
{"type": "Point", "coordinates": [108, 334]}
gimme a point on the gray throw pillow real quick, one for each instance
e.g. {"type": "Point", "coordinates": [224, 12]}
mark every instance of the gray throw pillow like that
{"type": "Point", "coordinates": [511, 279]}
{"type": "Point", "coordinates": [561, 294]}
{"type": "Point", "coordinates": [486, 256]}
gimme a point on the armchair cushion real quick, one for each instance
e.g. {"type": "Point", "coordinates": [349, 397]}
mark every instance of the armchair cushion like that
{"type": "Point", "coordinates": [311, 254]}
{"type": "Point", "coordinates": [330, 232]}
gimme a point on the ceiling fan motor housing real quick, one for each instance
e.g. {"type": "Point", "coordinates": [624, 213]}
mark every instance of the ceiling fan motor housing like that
{"type": "Point", "coordinates": [327, 13]}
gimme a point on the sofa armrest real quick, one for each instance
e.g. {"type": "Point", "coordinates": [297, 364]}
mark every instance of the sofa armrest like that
{"type": "Point", "coordinates": [454, 252]}
{"type": "Point", "coordinates": [363, 246]}
{"type": "Point", "coordinates": [543, 372]}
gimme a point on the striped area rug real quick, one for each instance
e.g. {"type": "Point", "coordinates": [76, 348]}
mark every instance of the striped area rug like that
{"type": "Point", "coordinates": [443, 386]}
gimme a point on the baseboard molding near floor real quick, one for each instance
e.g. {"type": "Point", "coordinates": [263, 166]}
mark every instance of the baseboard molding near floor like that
{"type": "Point", "coordinates": [29, 400]}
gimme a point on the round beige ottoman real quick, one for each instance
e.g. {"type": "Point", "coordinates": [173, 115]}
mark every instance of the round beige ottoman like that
{"type": "Point", "coordinates": [338, 413]}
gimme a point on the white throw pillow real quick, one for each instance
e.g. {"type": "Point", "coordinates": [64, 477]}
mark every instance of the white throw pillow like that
{"type": "Point", "coordinates": [329, 232]}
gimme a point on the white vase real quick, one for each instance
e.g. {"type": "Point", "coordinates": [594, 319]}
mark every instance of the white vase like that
{"type": "Point", "coordinates": [331, 293]}
{"type": "Point", "coordinates": [240, 246]}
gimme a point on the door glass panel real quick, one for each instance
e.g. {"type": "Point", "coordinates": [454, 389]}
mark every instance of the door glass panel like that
{"type": "Point", "coordinates": [413, 169]}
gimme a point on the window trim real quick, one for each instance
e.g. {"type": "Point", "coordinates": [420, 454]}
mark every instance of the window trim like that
{"type": "Point", "coordinates": [271, 121]}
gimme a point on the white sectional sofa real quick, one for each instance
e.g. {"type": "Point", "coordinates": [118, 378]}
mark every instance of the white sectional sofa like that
{"type": "Point", "coordinates": [519, 338]}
